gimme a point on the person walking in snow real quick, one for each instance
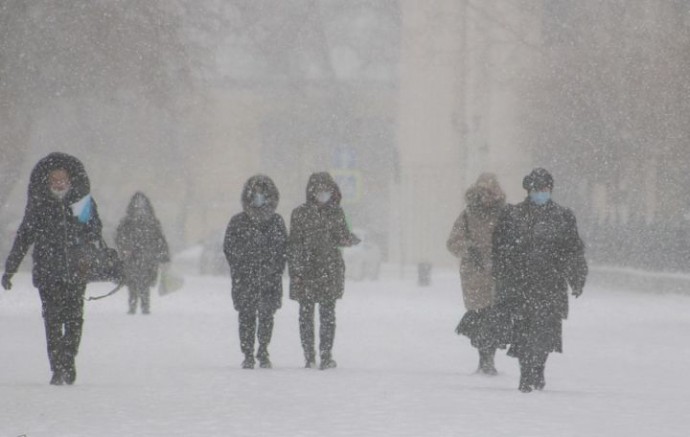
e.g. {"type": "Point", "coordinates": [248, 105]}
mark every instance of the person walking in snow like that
{"type": "Point", "coordinates": [470, 240]}
{"type": "Point", "coordinates": [537, 254]}
{"type": "Point", "coordinates": [60, 219]}
{"type": "Point", "coordinates": [317, 270]}
{"type": "Point", "coordinates": [255, 246]}
{"type": "Point", "coordinates": [143, 248]}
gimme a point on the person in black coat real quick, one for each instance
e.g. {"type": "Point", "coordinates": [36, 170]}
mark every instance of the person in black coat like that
{"type": "Point", "coordinates": [60, 219]}
{"type": "Point", "coordinates": [317, 270]}
{"type": "Point", "coordinates": [143, 248]}
{"type": "Point", "coordinates": [255, 245]}
{"type": "Point", "coordinates": [537, 254]}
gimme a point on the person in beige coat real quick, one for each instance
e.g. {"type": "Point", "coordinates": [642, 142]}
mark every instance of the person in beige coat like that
{"type": "Point", "coordinates": [470, 240]}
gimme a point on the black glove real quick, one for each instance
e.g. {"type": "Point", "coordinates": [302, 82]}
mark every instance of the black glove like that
{"type": "Point", "coordinates": [7, 281]}
{"type": "Point", "coordinates": [475, 257]}
{"type": "Point", "coordinates": [577, 292]}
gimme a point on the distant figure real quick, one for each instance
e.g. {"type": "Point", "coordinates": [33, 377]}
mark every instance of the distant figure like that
{"type": "Point", "coordinates": [60, 219]}
{"type": "Point", "coordinates": [537, 253]}
{"type": "Point", "coordinates": [143, 249]}
{"type": "Point", "coordinates": [255, 245]}
{"type": "Point", "coordinates": [317, 271]}
{"type": "Point", "coordinates": [470, 240]}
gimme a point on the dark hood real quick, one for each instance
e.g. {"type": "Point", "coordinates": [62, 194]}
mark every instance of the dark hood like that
{"type": "Point", "coordinates": [140, 207]}
{"type": "Point", "coordinates": [39, 190]}
{"type": "Point", "coordinates": [264, 184]}
{"type": "Point", "coordinates": [323, 181]}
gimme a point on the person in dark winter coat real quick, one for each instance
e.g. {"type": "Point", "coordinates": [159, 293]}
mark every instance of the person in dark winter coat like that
{"type": "Point", "coordinates": [470, 240]}
{"type": "Point", "coordinates": [143, 248]}
{"type": "Point", "coordinates": [537, 254]}
{"type": "Point", "coordinates": [255, 247]}
{"type": "Point", "coordinates": [317, 270]}
{"type": "Point", "coordinates": [60, 219]}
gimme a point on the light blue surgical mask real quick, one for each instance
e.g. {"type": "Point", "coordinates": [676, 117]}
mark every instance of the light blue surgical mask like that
{"type": "Point", "coordinates": [539, 197]}
{"type": "Point", "coordinates": [259, 200]}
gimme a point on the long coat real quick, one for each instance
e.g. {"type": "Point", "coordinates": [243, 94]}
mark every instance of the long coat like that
{"type": "Point", "coordinates": [470, 240]}
{"type": "Point", "coordinates": [537, 253]}
{"type": "Point", "coordinates": [141, 243]}
{"type": "Point", "coordinates": [255, 246]}
{"type": "Point", "coordinates": [317, 232]}
{"type": "Point", "coordinates": [58, 228]}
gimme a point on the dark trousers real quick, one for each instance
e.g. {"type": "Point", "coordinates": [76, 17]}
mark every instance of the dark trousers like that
{"type": "Point", "coordinates": [248, 318]}
{"type": "Point", "coordinates": [63, 316]}
{"type": "Point", "coordinates": [139, 293]}
{"type": "Point", "coordinates": [326, 328]}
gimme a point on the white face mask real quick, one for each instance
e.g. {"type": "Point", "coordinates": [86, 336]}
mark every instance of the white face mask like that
{"type": "Point", "coordinates": [60, 194]}
{"type": "Point", "coordinates": [323, 196]}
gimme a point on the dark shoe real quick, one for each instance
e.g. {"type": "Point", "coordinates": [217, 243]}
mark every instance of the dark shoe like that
{"type": "Point", "coordinates": [131, 311]}
{"type": "Point", "coordinates": [146, 311]}
{"type": "Point", "coordinates": [328, 363]}
{"type": "Point", "coordinates": [310, 365]}
{"type": "Point", "coordinates": [248, 363]}
{"type": "Point", "coordinates": [57, 378]}
{"type": "Point", "coordinates": [265, 363]}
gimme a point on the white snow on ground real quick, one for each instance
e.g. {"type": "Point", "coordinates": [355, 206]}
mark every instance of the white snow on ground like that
{"type": "Point", "coordinates": [402, 370]}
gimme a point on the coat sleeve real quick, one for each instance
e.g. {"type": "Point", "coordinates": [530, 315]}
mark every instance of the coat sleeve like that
{"type": "Point", "coordinates": [573, 254]}
{"type": "Point", "coordinates": [342, 235]}
{"type": "Point", "coordinates": [457, 242]}
{"type": "Point", "coordinates": [295, 246]}
{"type": "Point", "coordinates": [278, 247]}
{"type": "Point", "coordinates": [26, 235]}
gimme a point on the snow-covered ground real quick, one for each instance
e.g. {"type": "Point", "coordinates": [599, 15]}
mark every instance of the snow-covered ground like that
{"type": "Point", "coordinates": [402, 370]}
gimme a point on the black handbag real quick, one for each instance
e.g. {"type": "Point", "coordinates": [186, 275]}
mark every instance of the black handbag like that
{"type": "Point", "coordinates": [100, 263]}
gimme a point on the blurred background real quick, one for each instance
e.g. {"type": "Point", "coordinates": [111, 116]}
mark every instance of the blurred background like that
{"type": "Point", "coordinates": [405, 102]}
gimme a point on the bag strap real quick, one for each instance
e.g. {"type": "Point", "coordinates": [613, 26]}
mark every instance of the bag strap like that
{"type": "Point", "coordinates": [110, 293]}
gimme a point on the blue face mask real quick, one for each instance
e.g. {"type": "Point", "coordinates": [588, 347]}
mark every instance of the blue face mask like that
{"type": "Point", "coordinates": [539, 197]}
{"type": "Point", "coordinates": [259, 200]}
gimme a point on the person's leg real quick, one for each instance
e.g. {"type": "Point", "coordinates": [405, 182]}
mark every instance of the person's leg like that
{"type": "Point", "coordinates": [145, 296]}
{"type": "Point", "coordinates": [73, 322]}
{"type": "Point", "coordinates": [264, 334]}
{"type": "Point", "coordinates": [326, 333]}
{"type": "Point", "coordinates": [486, 360]}
{"type": "Point", "coordinates": [540, 366]}
{"type": "Point", "coordinates": [132, 300]}
{"type": "Point", "coordinates": [247, 331]}
{"type": "Point", "coordinates": [53, 340]}
{"type": "Point", "coordinates": [306, 331]}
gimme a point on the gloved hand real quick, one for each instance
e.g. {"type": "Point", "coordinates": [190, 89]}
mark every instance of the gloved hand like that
{"type": "Point", "coordinates": [577, 292]}
{"type": "Point", "coordinates": [7, 281]}
{"type": "Point", "coordinates": [475, 256]}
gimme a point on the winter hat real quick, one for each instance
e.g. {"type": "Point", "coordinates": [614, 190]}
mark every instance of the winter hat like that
{"type": "Point", "coordinates": [538, 179]}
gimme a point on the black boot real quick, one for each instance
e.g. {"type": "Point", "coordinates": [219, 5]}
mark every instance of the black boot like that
{"type": "Point", "coordinates": [539, 381]}
{"type": "Point", "coordinates": [525, 382]}
{"type": "Point", "coordinates": [327, 361]}
{"type": "Point", "coordinates": [69, 374]}
{"type": "Point", "coordinates": [57, 378]}
{"type": "Point", "coordinates": [262, 355]}
{"type": "Point", "coordinates": [248, 362]}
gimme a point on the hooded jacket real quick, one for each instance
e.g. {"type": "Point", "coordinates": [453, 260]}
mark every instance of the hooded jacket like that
{"type": "Point", "coordinates": [255, 246]}
{"type": "Point", "coordinates": [59, 229]}
{"type": "Point", "coordinates": [141, 243]}
{"type": "Point", "coordinates": [317, 232]}
{"type": "Point", "coordinates": [470, 240]}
